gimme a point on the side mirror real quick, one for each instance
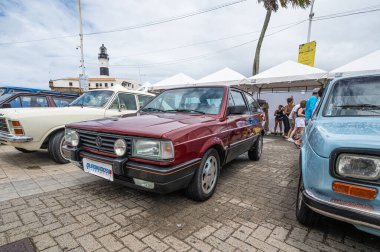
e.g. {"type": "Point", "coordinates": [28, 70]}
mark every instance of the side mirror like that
{"type": "Point", "coordinates": [122, 107]}
{"type": "Point", "coordinates": [6, 105]}
{"type": "Point", "coordinates": [237, 110]}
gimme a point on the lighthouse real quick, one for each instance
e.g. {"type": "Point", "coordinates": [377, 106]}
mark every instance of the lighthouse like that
{"type": "Point", "coordinates": [103, 61]}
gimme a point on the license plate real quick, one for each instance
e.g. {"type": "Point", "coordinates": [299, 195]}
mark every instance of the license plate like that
{"type": "Point", "coordinates": [97, 168]}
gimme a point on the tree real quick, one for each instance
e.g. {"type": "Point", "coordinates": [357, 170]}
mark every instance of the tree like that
{"type": "Point", "coordinates": [273, 6]}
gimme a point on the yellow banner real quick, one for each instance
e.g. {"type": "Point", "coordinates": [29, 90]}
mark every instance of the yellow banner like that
{"type": "Point", "coordinates": [306, 53]}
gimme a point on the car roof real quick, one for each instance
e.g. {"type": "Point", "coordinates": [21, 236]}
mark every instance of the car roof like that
{"type": "Point", "coordinates": [119, 88]}
{"type": "Point", "coordinates": [356, 77]}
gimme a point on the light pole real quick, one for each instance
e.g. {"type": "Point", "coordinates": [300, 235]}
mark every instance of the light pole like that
{"type": "Point", "coordinates": [83, 72]}
{"type": "Point", "coordinates": [311, 15]}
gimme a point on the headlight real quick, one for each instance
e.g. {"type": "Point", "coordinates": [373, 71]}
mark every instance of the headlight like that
{"type": "Point", "coordinates": [358, 166]}
{"type": "Point", "coordinates": [120, 147]}
{"type": "Point", "coordinates": [72, 137]}
{"type": "Point", "coordinates": [151, 149]}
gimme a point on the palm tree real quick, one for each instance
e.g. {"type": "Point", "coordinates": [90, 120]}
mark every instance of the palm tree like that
{"type": "Point", "coordinates": [272, 6]}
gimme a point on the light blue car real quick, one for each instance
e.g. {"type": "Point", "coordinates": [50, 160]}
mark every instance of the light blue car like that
{"type": "Point", "coordinates": [340, 156]}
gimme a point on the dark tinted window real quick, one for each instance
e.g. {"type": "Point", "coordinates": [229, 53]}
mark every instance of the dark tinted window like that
{"type": "Point", "coordinates": [33, 101]}
{"type": "Point", "coordinates": [15, 103]}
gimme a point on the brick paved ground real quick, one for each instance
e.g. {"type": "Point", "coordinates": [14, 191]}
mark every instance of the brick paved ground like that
{"type": "Point", "coordinates": [252, 210]}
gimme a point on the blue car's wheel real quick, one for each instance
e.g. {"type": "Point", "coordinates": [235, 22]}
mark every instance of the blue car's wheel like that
{"type": "Point", "coordinates": [304, 214]}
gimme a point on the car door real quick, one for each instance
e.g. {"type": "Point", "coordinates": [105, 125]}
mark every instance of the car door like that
{"type": "Point", "coordinates": [124, 103]}
{"type": "Point", "coordinates": [256, 120]}
{"type": "Point", "coordinates": [238, 126]}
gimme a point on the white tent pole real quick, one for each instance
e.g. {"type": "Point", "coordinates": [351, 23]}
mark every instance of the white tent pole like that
{"type": "Point", "coordinates": [311, 15]}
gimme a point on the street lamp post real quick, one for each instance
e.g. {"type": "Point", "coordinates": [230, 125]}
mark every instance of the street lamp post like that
{"type": "Point", "coordinates": [311, 15]}
{"type": "Point", "coordinates": [83, 72]}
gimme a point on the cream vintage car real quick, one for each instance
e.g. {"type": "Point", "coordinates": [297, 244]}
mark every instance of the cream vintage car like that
{"type": "Point", "coordinates": [32, 129]}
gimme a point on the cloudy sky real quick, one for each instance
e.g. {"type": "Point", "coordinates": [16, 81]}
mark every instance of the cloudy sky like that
{"type": "Point", "coordinates": [197, 45]}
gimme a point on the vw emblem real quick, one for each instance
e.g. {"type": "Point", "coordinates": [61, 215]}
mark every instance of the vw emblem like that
{"type": "Point", "coordinates": [98, 141]}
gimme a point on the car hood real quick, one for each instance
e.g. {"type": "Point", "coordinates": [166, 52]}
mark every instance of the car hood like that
{"type": "Point", "coordinates": [147, 125]}
{"type": "Point", "coordinates": [344, 132]}
{"type": "Point", "coordinates": [19, 113]}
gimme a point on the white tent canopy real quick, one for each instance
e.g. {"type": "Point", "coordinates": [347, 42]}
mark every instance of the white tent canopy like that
{"type": "Point", "coordinates": [177, 80]}
{"type": "Point", "coordinates": [369, 64]}
{"type": "Point", "coordinates": [145, 86]}
{"type": "Point", "coordinates": [223, 76]}
{"type": "Point", "coordinates": [289, 75]}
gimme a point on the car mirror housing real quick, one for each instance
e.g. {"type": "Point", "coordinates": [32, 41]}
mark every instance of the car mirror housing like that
{"type": "Point", "coordinates": [237, 110]}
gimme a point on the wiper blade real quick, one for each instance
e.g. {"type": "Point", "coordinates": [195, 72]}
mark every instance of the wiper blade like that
{"type": "Point", "coordinates": [152, 110]}
{"type": "Point", "coordinates": [362, 106]}
{"type": "Point", "coordinates": [186, 111]}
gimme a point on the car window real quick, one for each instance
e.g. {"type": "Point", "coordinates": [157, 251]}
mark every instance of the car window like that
{"type": "Point", "coordinates": [33, 101]}
{"type": "Point", "coordinates": [253, 105]}
{"type": "Point", "coordinates": [95, 98]}
{"type": "Point", "coordinates": [2, 91]}
{"type": "Point", "coordinates": [62, 101]}
{"type": "Point", "coordinates": [238, 98]}
{"type": "Point", "coordinates": [354, 97]}
{"type": "Point", "coordinates": [144, 99]}
{"type": "Point", "coordinates": [15, 103]}
{"type": "Point", "coordinates": [206, 100]}
{"type": "Point", "coordinates": [124, 101]}
{"type": "Point", "coordinates": [4, 97]}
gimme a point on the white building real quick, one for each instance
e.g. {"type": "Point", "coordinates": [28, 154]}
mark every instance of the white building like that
{"type": "Point", "coordinates": [71, 84]}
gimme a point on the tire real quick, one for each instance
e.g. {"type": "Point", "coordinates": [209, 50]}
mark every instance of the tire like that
{"type": "Point", "coordinates": [203, 184]}
{"type": "Point", "coordinates": [23, 150]}
{"type": "Point", "coordinates": [304, 214]}
{"type": "Point", "coordinates": [56, 142]}
{"type": "Point", "coordinates": [255, 152]}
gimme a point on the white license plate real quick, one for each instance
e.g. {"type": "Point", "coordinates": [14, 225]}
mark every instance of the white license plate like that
{"type": "Point", "coordinates": [97, 168]}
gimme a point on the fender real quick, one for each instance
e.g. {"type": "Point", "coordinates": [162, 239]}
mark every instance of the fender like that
{"type": "Point", "coordinates": [43, 139]}
{"type": "Point", "coordinates": [209, 143]}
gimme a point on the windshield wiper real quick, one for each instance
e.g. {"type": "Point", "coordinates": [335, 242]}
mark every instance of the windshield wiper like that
{"type": "Point", "coordinates": [186, 111]}
{"type": "Point", "coordinates": [152, 110]}
{"type": "Point", "coordinates": [362, 106]}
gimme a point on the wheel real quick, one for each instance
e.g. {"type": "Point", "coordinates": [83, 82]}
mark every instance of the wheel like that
{"type": "Point", "coordinates": [304, 214]}
{"type": "Point", "coordinates": [56, 142]}
{"type": "Point", "coordinates": [23, 150]}
{"type": "Point", "coordinates": [257, 149]}
{"type": "Point", "coordinates": [204, 182]}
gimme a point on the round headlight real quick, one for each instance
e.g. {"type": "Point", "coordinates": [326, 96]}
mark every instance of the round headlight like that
{"type": "Point", "coordinates": [120, 147]}
{"type": "Point", "coordinates": [72, 137]}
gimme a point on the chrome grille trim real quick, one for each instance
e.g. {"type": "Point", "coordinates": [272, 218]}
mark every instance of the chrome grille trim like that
{"type": "Point", "coordinates": [88, 140]}
{"type": "Point", "coordinates": [4, 126]}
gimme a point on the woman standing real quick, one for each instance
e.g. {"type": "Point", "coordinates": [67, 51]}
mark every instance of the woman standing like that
{"type": "Point", "coordinates": [279, 115]}
{"type": "Point", "coordinates": [300, 122]}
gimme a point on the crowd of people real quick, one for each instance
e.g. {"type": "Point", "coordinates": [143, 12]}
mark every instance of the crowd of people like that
{"type": "Point", "coordinates": [292, 119]}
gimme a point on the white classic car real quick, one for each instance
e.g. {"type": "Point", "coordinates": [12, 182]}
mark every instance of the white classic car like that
{"type": "Point", "coordinates": [32, 129]}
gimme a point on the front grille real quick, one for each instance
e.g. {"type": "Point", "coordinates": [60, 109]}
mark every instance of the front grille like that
{"type": "Point", "coordinates": [3, 126]}
{"type": "Point", "coordinates": [102, 142]}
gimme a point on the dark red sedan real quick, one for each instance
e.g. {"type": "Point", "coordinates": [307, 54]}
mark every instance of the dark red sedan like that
{"type": "Point", "coordinates": [180, 139]}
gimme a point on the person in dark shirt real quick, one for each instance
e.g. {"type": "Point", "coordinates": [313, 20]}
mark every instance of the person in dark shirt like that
{"type": "Point", "coordinates": [279, 115]}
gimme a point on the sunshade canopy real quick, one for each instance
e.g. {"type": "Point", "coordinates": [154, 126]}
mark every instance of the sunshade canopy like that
{"type": "Point", "coordinates": [178, 80]}
{"type": "Point", "coordinates": [289, 75]}
{"type": "Point", "coordinates": [369, 64]}
{"type": "Point", "coordinates": [223, 76]}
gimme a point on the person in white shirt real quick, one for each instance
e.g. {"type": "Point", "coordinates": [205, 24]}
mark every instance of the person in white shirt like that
{"type": "Point", "coordinates": [292, 118]}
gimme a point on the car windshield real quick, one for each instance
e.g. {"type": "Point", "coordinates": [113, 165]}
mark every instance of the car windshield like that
{"type": "Point", "coordinates": [354, 97]}
{"type": "Point", "coordinates": [2, 91]}
{"type": "Point", "coordinates": [4, 97]}
{"type": "Point", "coordinates": [200, 100]}
{"type": "Point", "coordinates": [95, 99]}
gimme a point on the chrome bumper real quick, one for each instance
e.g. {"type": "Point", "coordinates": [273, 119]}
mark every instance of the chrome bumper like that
{"type": "Point", "coordinates": [15, 139]}
{"type": "Point", "coordinates": [351, 214]}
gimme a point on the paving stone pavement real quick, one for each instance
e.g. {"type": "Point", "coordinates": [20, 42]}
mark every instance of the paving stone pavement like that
{"type": "Point", "coordinates": [252, 210]}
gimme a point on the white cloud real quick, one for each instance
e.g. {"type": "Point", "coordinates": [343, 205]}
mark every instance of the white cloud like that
{"type": "Point", "coordinates": [33, 64]}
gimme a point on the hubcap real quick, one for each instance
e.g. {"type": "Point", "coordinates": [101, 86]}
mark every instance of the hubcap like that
{"type": "Point", "coordinates": [209, 173]}
{"type": "Point", "coordinates": [60, 148]}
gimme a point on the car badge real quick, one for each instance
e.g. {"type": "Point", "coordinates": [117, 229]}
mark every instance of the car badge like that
{"type": "Point", "coordinates": [98, 141]}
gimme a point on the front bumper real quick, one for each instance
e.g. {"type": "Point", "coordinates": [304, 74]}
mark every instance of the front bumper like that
{"type": "Point", "coordinates": [357, 214]}
{"type": "Point", "coordinates": [165, 179]}
{"type": "Point", "coordinates": [15, 139]}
